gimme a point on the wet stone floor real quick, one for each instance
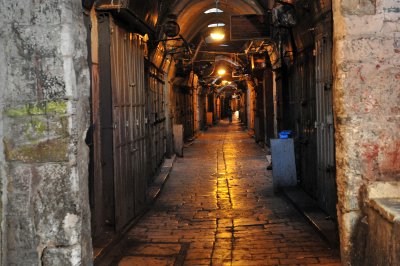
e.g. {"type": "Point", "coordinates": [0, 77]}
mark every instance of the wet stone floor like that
{"type": "Point", "coordinates": [218, 208]}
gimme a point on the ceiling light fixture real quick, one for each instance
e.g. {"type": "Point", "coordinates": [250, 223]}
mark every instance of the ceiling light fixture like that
{"type": "Point", "coordinates": [216, 25]}
{"type": "Point", "coordinates": [213, 10]}
{"type": "Point", "coordinates": [218, 33]}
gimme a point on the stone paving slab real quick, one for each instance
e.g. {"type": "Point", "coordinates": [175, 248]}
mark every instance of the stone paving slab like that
{"type": "Point", "coordinates": [218, 208]}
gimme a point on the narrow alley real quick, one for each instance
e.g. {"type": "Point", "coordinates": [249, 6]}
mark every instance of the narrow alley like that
{"type": "Point", "coordinates": [218, 208]}
{"type": "Point", "coordinates": [117, 145]}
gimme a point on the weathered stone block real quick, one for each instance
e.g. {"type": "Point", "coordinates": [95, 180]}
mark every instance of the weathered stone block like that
{"type": "Point", "coordinates": [56, 207]}
{"type": "Point", "coordinates": [18, 204]}
{"type": "Point", "coordinates": [55, 150]}
{"type": "Point", "coordinates": [17, 11]}
{"type": "Point", "coordinates": [21, 237]}
{"type": "Point", "coordinates": [37, 108]}
{"type": "Point", "coordinates": [391, 10]}
{"type": "Point", "coordinates": [36, 43]}
{"type": "Point", "coordinates": [364, 25]}
{"type": "Point", "coordinates": [36, 129]}
{"type": "Point", "coordinates": [20, 178]}
{"type": "Point", "coordinates": [33, 53]}
{"type": "Point", "coordinates": [46, 212]}
{"type": "Point", "coordinates": [383, 190]}
{"type": "Point", "coordinates": [371, 49]}
{"type": "Point", "coordinates": [22, 257]}
{"type": "Point", "coordinates": [358, 7]}
{"type": "Point", "coordinates": [70, 256]}
{"type": "Point", "coordinates": [373, 152]}
{"type": "Point", "coordinates": [362, 99]}
{"type": "Point", "coordinates": [45, 13]}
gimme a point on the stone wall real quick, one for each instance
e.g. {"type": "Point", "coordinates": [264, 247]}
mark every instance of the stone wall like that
{"type": "Point", "coordinates": [367, 112]}
{"type": "Point", "coordinates": [44, 116]}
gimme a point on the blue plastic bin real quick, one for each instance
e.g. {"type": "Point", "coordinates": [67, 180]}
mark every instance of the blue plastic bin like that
{"type": "Point", "coordinates": [285, 134]}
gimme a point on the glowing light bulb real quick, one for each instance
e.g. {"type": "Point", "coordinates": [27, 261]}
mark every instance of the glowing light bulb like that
{"type": "Point", "coordinates": [218, 36]}
{"type": "Point", "coordinates": [221, 72]}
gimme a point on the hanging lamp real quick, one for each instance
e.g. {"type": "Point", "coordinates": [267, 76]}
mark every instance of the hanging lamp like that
{"type": "Point", "coordinates": [218, 33]}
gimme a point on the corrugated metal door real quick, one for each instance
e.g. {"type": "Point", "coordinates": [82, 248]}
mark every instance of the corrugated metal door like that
{"type": "Point", "coordinates": [327, 196]}
{"type": "Point", "coordinates": [128, 103]}
{"type": "Point", "coordinates": [308, 142]}
{"type": "Point", "coordinates": [260, 120]}
{"type": "Point", "coordinates": [302, 117]}
{"type": "Point", "coordinates": [184, 109]}
{"type": "Point", "coordinates": [269, 105]}
{"type": "Point", "coordinates": [156, 116]}
{"type": "Point", "coordinates": [189, 114]}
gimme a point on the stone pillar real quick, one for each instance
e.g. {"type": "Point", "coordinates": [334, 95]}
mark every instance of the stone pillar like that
{"type": "Point", "coordinates": [44, 117]}
{"type": "Point", "coordinates": [366, 104]}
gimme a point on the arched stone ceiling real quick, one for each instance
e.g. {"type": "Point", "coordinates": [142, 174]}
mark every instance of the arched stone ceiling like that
{"type": "Point", "coordinates": [192, 19]}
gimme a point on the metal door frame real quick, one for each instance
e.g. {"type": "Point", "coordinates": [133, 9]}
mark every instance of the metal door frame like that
{"type": "Point", "coordinates": [326, 164]}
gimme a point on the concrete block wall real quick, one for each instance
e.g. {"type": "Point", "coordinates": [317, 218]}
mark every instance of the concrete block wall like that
{"type": "Point", "coordinates": [44, 116]}
{"type": "Point", "coordinates": [367, 114]}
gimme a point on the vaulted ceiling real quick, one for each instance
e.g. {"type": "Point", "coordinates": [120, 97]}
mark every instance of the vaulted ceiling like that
{"type": "Point", "coordinates": [194, 27]}
{"type": "Point", "coordinates": [192, 19]}
{"type": "Point", "coordinates": [255, 35]}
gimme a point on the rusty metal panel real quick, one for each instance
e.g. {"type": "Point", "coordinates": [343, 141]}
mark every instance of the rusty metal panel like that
{"type": "Point", "coordinates": [156, 116]}
{"type": "Point", "coordinates": [128, 115]}
{"type": "Point", "coordinates": [327, 196]}
{"type": "Point", "coordinates": [146, 11]}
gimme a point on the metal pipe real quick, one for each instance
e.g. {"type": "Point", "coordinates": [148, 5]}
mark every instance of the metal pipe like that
{"type": "Point", "coordinates": [197, 50]}
{"type": "Point", "coordinates": [226, 53]}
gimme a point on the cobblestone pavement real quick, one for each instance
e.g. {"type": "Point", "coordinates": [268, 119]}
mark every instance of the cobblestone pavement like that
{"type": "Point", "coordinates": [218, 208]}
